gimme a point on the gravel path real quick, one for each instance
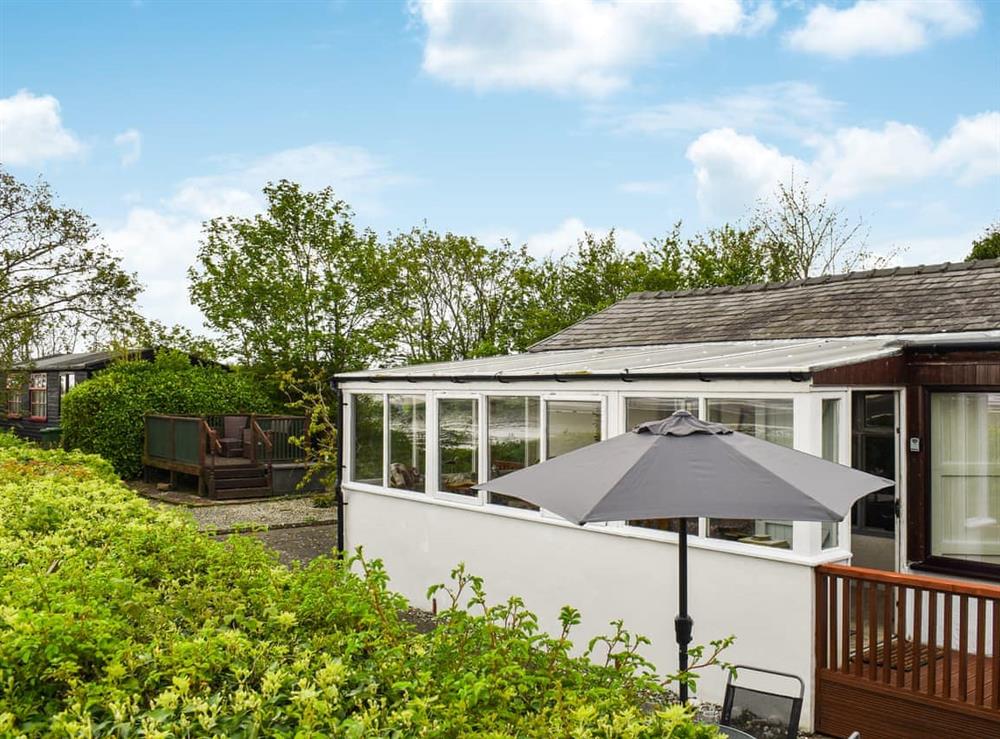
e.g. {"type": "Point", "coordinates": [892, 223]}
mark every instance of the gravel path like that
{"type": "Point", "coordinates": [300, 544]}
{"type": "Point", "coordinates": [280, 513]}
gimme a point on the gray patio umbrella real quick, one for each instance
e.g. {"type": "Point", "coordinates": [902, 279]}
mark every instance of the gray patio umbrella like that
{"type": "Point", "coordinates": [682, 467]}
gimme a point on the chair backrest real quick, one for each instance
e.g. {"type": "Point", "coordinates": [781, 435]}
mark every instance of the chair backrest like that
{"type": "Point", "coordinates": [232, 427]}
{"type": "Point", "coordinates": [762, 714]}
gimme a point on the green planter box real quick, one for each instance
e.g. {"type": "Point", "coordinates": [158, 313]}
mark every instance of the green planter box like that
{"type": "Point", "coordinates": [51, 436]}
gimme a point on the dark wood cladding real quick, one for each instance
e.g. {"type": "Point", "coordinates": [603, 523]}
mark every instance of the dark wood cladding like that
{"type": "Point", "coordinates": [966, 367]}
{"type": "Point", "coordinates": [845, 705]}
{"type": "Point", "coordinates": [882, 371]}
{"type": "Point", "coordinates": [920, 372]}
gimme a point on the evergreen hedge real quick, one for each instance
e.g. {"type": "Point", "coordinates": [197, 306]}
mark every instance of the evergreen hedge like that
{"type": "Point", "coordinates": [105, 414]}
{"type": "Point", "coordinates": [120, 619]}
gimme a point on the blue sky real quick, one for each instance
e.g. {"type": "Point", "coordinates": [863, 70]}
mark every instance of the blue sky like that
{"type": "Point", "coordinates": [532, 121]}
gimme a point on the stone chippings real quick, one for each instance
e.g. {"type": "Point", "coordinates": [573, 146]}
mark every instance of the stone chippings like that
{"type": "Point", "coordinates": [904, 300]}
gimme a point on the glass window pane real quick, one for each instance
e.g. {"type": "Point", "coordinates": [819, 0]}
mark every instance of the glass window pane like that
{"type": "Point", "coordinates": [515, 432]}
{"type": "Point", "coordinates": [38, 404]}
{"type": "Point", "coordinates": [642, 410]}
{"type": "Point", "coordinates": [572, 424]}
{"type": "Point", "coordinates": [770, 420]}
{"type": "Point", "coordinates": [965, 476]}
{"type": "Point", "coordinates": [458, 445]}
{"type": "Point", "coordinates": [873, 440]}
{"type": "Point", "coordinates": [831, 453]}
{"type": "Point", "coordinates": [407, 442]}
{"type": "Point", "coordinates": [368, 439]}
{"type": "Point", "coordinates": [879, 410]}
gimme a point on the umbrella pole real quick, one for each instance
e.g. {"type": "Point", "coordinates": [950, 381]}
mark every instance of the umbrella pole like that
{"type": "Point", "coordinates": [683, 623]}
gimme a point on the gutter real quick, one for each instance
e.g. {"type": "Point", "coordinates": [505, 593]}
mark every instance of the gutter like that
{"type": "Point", "coordinates": [625, 376]}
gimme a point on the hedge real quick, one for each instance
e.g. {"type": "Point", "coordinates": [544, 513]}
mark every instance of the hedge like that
{"type": "Point", "coordinates": [105, 414]}
{"type": "Point", "coordinates": [118, 619]}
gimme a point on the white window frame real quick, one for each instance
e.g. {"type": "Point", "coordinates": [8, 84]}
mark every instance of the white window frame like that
{"type": "Point", "coordinates": [430, 426]}
{"type": "Point", "coordinates": [434, 450]}
{"type": "Point", "coordinates": [599, 397]}
{"type": "Point", "coordinates": [38, 382]}
{"type": "Point", "coordinates": [348, 448]}
{"type": "Point", "coordinates": [542, 445]}
{"type": "Point", "coordinates": [612, 405]}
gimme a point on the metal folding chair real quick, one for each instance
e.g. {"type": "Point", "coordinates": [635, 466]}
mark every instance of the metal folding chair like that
{"type": "Point", "coordinates": [762, 714]}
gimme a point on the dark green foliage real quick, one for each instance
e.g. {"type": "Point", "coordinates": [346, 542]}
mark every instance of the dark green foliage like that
{"type": "Point", "coordinates": [105, 414]}
{"type": "Point", "coordinates": [987, 246]}
{"type": "Point", "coordinates": [298, 287]}
{"type": "Point", "coordinates": [456, 298]}
{"type": "Point", "coordinates": [122, 620]}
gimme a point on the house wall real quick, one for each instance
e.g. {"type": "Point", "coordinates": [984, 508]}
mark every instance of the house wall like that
{"type": "Point", "coordinates": [762, 595]}
{"type": "Point", "coordinates": [918, 373]}
{"type": "Point", "coordinates": [628, 574]}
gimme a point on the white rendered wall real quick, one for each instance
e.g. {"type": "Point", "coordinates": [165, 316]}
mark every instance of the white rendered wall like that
{"type": "Point", "coordinates": [767, 603]}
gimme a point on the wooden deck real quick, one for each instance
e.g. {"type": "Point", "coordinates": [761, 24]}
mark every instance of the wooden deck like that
{"type": "Point", "coordinates": [901, 657]}
{"type": "Point", "coordinates": [235, 456]}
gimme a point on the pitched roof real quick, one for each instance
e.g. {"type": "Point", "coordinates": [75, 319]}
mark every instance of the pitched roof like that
{"type": "Point", "coordinates": [77, 361]}
{"type": "Point", "coordinates": [963, 296]}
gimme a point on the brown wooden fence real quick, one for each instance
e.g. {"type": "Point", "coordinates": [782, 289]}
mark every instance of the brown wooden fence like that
{"type": "Point", "coordinates": [906, 656]}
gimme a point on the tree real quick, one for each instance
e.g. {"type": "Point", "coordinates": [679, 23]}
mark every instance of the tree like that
{"type": "Point", "coordinates": [812, 237]}
{"type": "Point", "coordinates": [298, 286]}
{"type": "Point", "coordinates": [593, 275]}
{"type": "Point", "coordinates": [457, 298]}
{"type": "Point", "coordinates": [58, 280]}
{"type": "Point", "coordinates": [733, 256]}
{"type": "Point", "coordinates": [987, 246]}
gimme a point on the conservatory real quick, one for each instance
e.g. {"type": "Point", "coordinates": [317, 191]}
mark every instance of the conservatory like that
{"type": "Point", "coordinates": [878, 371]}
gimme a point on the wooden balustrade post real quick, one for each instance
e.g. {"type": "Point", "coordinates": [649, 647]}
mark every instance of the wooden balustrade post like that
{"type": "Point", "coordinates": [931, 642]}
{"type": "Point", "coordinates": [872, 630]}
{"type": "Point", "coordinates": [963, 648]}
{"type": "Point", "coordinates": [900, 637]}
{"type": "Point", "coordinates": [946, 643]}
{"type": "Point", "coordinates": [917, 636]}
{"type": "Point", "coordinates": [821, 624]}
{"type": "Point", "coordinates": [980, 650]}
{"type": "Point", "coordinates": [859, 628]}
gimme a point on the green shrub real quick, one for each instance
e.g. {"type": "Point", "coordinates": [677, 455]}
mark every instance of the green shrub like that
{"type": "Point", "coordinates": [118, 619]}
{"type": "Point", "coordinates": [105, 414]}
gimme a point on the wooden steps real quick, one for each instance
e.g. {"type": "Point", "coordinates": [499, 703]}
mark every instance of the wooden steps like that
{"type": "Point", "coordinates": [243, 481]}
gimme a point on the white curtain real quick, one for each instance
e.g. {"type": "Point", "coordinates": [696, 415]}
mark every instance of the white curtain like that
{"type": "Point", "coordinates": [965, 476]}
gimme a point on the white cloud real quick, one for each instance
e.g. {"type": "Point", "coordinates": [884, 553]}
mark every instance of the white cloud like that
{"type": "Point", "coordinates": [858, 160]}
{"type": "Point", "coordinates": [567, 46]}
{"type": "Point", "coordinates": [130, 143]}
{"type": "Point", "coordinates": [972, 150]}
{"type": "Point", "coordinates": [948, 247]}
{"type": "Point", "coordinates": [160, 246]}
{"type": "Point", "coordinates": [788, 108]}
{"type": "Point", "coordinates": [161, 241]}
{"type": "Point", "coordinates": [356, 175]}
{"type": "Point", "coordinates": [563, 237]}
{"type": "Point", "coordinates": [732, 170]}
{"type": "Point", "coordinates": [882, 27]}
{"type": "Point", "coordinates": [31, 130]}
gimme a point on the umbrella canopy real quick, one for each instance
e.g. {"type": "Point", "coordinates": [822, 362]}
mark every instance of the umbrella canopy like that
{"type": "Point", "coordinates": [684, 467]}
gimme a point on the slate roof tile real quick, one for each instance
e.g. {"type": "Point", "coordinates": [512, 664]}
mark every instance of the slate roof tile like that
{"type": "Point", "coordinates": [947, 297]}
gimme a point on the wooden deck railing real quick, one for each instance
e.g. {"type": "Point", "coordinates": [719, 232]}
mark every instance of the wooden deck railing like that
{"type": "Point", "coordinates": [919, 635]}
{"type": "Point", "coordinates": [195, 440]}
{"type": "Point", "coordinates": [176, 439]}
